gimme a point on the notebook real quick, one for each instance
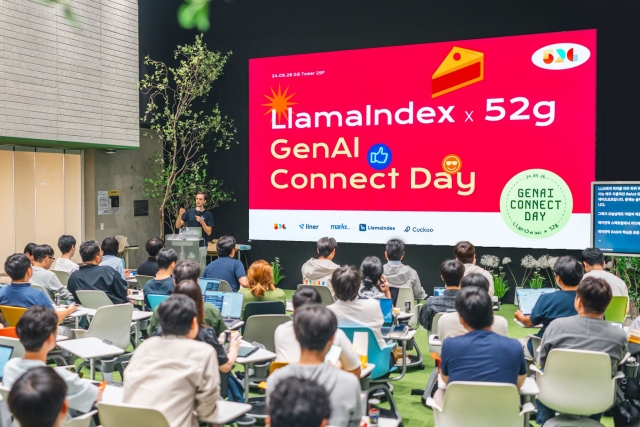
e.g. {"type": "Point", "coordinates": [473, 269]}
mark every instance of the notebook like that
{"type": "Point", "coordinates": [229, 304]}
{"type": "Point", "coordinates": [386, 305]}
{"type": "Point", "coordinates": [208, 284]}
{"type": "Point", "coordinates": [5, 355]}
{"type": "Point", "coordinates": [527, 298]}
{"type": "Point", "coordinates": [438, 292]}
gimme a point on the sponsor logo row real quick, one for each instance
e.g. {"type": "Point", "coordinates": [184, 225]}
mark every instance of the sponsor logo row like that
{"type": "Point", "coordinates": [361, 227]}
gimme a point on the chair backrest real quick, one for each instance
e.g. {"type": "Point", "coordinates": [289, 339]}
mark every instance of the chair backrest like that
{"type": "Point", "coordinates": [81, 421]}
{"type": "Point", "coordinates": [434, 323]}
{"type": "Point", "coordinates": [112, 323]}
{"type": "Point", "coordinates": [122, 242]}
{"type": "Point", "coordinates": [499, 405]}
{"type": "Point", "coordinates": [93, 299]}
{"type": "Point", "coordinates": [325, 293]}
{"type": "Point", "coordinates": [535, 344]}
{"type": "Point", "coordinates": [123, 415]}
{"type": "Point", "coordinates": [156, 300]}
{"type": "Point", "coordinates": [224, 286]}
{"type": "Point", "coordinates": [261, 328]}
{"type": "Point", "coordinates": [142, 280]}
{"type": "Point", "coordinates": [262, 307]}
{"type": "Point", "coordinates": [41, 288]}
{"type": "Point", "coordinates": [18, 348]}
{"type": "Point", "coordinates": [376, 355]}
{"type": "Point", "coordinates": [63, 276]}
{"type": "Point", "coordinates": [617, 310]}
{"type": "Point", "coordinates": [577, 382]}
{"type": "Point", "coordinates": [9, 331]}
{"type": "Point", "coordinates": [405, 294]}
{"type": "Point", "coordinates": [12, 314]}
{"type": "Point", "coordinates": [4, 392]}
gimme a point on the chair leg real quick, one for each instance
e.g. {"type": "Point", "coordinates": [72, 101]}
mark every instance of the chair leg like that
{"type": "Point", "coordinates": [392, 412]}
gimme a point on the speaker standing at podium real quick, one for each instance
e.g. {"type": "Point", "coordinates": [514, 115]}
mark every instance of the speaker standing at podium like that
{"type": "Point", "coordinates": [197, 217]}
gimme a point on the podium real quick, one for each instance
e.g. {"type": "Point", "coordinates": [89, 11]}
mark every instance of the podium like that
{"type": "Point", "coordinates": [187, 245]}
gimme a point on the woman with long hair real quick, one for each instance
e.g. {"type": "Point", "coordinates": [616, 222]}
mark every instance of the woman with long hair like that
{"type": "Point", "coordinates": [261, 287]}
{"type": "Point", "coordinates": [373, 284]}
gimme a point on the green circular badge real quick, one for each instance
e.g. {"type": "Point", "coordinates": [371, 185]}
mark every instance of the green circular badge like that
{"type": "Point", "coordinates": [536, 203]}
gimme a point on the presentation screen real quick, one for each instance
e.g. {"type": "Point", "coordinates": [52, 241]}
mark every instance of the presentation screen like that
{"type": "Point", "coordinates": [488, 140]}
{"type": "Point", "coordinates": [615, 227]}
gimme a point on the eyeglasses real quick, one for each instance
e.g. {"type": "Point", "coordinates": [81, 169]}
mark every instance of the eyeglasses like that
{"type": "Point", "coordinates": [52, 258]}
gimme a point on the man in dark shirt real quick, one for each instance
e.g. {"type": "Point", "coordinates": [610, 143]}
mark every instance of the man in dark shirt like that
{"type": "Point", "coordinates": [93, 277]}
{"type": "Point", "coordinates": [554, 305]}
{"type": "Point", "coordinates": [150, 266]}
{"type": "Point", "coordinates": [226, 267]}
{"type": "Point", "coordinates": [163, 282]}
{"type": "Point", "coordinates": [197, 217]}
{"type": "Point", "coordinates": [451, 272]}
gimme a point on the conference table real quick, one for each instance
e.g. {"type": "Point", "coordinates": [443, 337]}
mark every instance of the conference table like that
{"type": "Point", "coordinates": [90, 349]}
{"type": "Point", "coordinates": [261, 355]}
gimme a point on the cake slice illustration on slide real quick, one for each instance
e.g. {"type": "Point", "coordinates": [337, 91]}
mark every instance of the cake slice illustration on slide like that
{"type": "Point", "coordinates": [460, 68]}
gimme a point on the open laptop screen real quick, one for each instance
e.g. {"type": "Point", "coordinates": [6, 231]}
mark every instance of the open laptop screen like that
{"type": "Point", "coordinates": [527, 298]}
{"type": "Point", "coordinates": [229, 303]}
{"type": "Point", "coordinates": [438, 292]}
{"type": "Point", "coordinates": [208, 284]}
{"type": "Point", "coordinates": [386, 305]}
{"type": "Point", "coordinates": [5, 355]}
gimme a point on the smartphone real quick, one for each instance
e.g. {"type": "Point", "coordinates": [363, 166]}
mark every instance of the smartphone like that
{"type": "Point", "coordinates": [246, 351]}
{"type": "Point", "coordinates": [333, 355]}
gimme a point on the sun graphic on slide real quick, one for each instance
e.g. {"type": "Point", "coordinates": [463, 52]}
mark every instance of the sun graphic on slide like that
{"type": "Point", "coordinates": [279, 102]}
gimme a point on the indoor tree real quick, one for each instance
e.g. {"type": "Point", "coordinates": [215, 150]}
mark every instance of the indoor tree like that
{"type": "Point", "coordinates": [184, 127]}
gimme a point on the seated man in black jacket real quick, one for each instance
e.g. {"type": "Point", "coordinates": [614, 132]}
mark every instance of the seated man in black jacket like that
{"type": "Point", "coordinates": [93, 277]}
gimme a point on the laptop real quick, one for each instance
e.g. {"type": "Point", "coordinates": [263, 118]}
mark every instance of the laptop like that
{"type": "Point", "coordinates": [527, 298]}
{"type": "Point", "coordinates": [438, 292]}
{"type": "Point", "coordinates": [208, 284]}
{"type": "Point", "coordinates": [5, 355]}
{"type": "Point", "coordinates": [229, 304]}
{"type": "Point", "coordinates": [386, 305]}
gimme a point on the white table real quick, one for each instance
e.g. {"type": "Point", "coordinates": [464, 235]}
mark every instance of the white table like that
{"type": "Point", "coordinates": [112, 394]}
{"type": "Point", "coordinates": [61, 338]}
{"type": "Point", "coordinates": [136, 297]}
{"type": "Point", "coordinates": [404, 316]}
{"type": "Point", "coordinates": [90, 349]}
{"type": "Point", "coordinates": [403, 339]}
{"type": "Point", "coordinates": [261, 355]}
{"type": "Point", "coordinates": [289, 306]}
{"type": "Point", "coordinates": [365, 372]}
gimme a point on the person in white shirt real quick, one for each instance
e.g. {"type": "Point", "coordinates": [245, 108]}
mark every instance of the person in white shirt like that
{"type": "Point", "coordinates": [351, 311]}
{"type": "Point", "coordinates": [40, 388]}
{"type": "Point", "coordinates": [449, 324]}
{"type": "Point", "coordinates": [465, 252]}
{"type": "Point", "coordinates": [67, 246]}
{"type": "Point", "coordinates": [593, 260]}
{"type": "Point", "coordinates": [288, 347]}
{"type": "Point", "coordinates": [42, 261]}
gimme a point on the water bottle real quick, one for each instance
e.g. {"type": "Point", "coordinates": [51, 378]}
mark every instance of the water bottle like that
{"type": "Point", "coordinates": [124, 265]}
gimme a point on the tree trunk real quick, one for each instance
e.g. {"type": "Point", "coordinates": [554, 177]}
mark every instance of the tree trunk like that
{"type": "Point", "coordinates": [162, 222]}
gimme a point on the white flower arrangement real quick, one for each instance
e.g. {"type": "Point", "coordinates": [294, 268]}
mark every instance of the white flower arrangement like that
{"type": "Point", "coordinates": [506, 261]}
{"type": "Point", "coordinates": [530, 262]}
{"type": "Point", "coordinates": [490, 261]}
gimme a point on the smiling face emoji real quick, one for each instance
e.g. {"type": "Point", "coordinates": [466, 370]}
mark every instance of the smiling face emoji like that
{"type": "Point", "coordinates": [451, 164]}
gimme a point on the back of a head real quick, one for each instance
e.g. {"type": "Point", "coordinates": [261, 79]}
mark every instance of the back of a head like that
{"type": "Point", "coordinates": [186, 270]}
{"type": "Point", "coordinates": [110, 246]}
{"type": "Point", "coordinates": [89, 250]}
{"type": "Point", "coordinates": [465, 252]}
{"type": "Point", "coordinates": [452, 272]}
{"type": "Point", "coordinates": [29, 248]}
{"type": "Point", "coordinates": [193, 291]}
{"type": "Point", "coordinates": [225, 245]}
{"type": "Point", "coordinates": [314, 325]}
{"type": "Point", "coordinates": [475, 307]}
{"type": "Point", "coordinates": [36, 325]}
{"type": "Point", "coordinates": [305, 296]}
{"type": "Point", "coordinates": [16, 266]}
{"type": "Point", "coordinates": [176, 315]}
{"type": "Point", "coordinates": [41, 252]}
{"type": "Point", "coordinates": [65, 243]}
{"type": "Point", "coordinates": [475, 279]}
{"type": "Point", "coordinates": [370, 271]}
{"type": "Point", "coordinates": [326, 245]}
{"type": "Point", "coordinates": [395, 249]}
{"type": "Point", "coordinates": [260, 278]}
{"type": "Point", "coordinates": [166, 257]}
{"type": "Point", "coordinates": [569, 270]}
{"type": "Point", "coordinates": [595, 295]}
{"type": "Point", "coordinates": [298, 402]}
{"type": "Point", "coordinates": [153, 246]}
{"type": "Point", "coordinates": [36, 399]}
{"type": "Point", "coordinates": [593, 256]}
{"type": "Point", "coordinates": [346, 282]}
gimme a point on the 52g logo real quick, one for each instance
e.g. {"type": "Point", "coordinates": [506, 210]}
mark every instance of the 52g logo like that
{"type": "Point", "coordinates": [560, 56]}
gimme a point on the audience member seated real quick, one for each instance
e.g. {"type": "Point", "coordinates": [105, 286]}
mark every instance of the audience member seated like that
{"type": "Point", "coordinates": [449, 324]}
{"type": "Point", "coordinates": [593, 260]}
{"type": "Point", "coordinates": [42, 261]}
{"type": "Point", "coordinates": [28, 250]}
{"type": "Point", "coordinates": [95, 277]}
{"type": "Point", "coordinates": [399, 274]}
{"type": "Point", "coordinates": [319, 271]}
{"type": "Point", "coordinates": [226, 267]}
{"type": "Point", "coordinates": [372, 283]}
{"type": "Point", "coordinates": [40, 388]}
{"type": "Point", "coordinates": [480, 355]}
{"type": "Point", "coordinates": [150, 266]}
{"type": "Point", "coordinates": [586, 331]}
{"type": "Point", "coordinates": [162, 283]}
{"type": "Point", "coordinates": [299, 402]}
{"type": "Point", "coordinates": [451, 272]}
{"type": "Point", "coordinates": [315, 327]}
{"type": "Point", "coordinates": [175, 374]}
{"type": "Point", "coordinates": [190, 270]}
{"type": "Point", "coordinates": [288, 348]}
{"type": "Point", "coordinates": [553, 305]}
{"type": "Point", "coordinates": [261, 287]}
{"type": "Point", "coordinates": [37, 330]}
{"type": "Point", "coordinates": [20, 293]}
{"type": "Point", "coordinates": [110, 256]}
{"type": "Point", "coordinates": [351, 311]}
{"type": "Point", "coordinates": [465, 252]}
{"type": "Point", "coordinates": [67, 246]}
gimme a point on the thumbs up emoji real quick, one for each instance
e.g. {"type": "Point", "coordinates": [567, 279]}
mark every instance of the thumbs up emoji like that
{"type": "Point", "coordinates": [379, 156]}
